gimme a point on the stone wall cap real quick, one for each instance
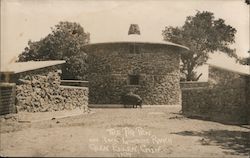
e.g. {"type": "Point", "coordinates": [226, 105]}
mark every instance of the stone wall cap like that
{"type": "Point", "coordinates": [192, 82]}
{"type": "Point", "coordinates": [18, 67]}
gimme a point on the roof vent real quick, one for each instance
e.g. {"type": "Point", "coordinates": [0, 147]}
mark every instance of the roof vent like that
{"type": "Point", "coordinates": [134, 29]}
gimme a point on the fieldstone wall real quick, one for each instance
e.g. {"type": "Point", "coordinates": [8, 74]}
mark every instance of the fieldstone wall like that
{"type": "Point", "coordinates": [74, 97]}
{"type": "Point", "coordinates": [40, 91]}
{"type": "Point", "coordinates": [225, 99]}
{"type": "Point", "coordinates": [111, 64]}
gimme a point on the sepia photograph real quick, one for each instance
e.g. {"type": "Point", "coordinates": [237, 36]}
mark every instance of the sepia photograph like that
{"type": "Point", "coordinates": [125, 78]}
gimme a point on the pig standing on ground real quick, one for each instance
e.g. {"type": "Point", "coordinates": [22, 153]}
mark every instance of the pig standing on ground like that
{"type": "Point", "coordinates": [131, 99]}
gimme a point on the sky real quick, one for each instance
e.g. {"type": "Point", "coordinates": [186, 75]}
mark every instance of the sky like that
{"type": "Point", "coordinates": [109, 20]}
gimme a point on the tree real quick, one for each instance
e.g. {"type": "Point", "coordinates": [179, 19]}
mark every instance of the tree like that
{"type": "Point", "coordinates": [203, 34]}
{"type": "Point", "coordinates": [244, 61]}
{"type": "Point", "coordinates": [65, 42]}
{"type": "Point", "coordinates": [247, 61]}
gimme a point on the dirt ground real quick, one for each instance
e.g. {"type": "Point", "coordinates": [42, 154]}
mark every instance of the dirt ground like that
{"type": "Point", "coordinates": [146, 132]}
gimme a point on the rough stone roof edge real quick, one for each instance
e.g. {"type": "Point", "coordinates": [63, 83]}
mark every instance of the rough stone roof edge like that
{"type": "Point", "coordinates": [140, 42]}
{"type": "Point", "coordinates": [19, 67]}
{"type": "Point", "coordinates": [227, 69]}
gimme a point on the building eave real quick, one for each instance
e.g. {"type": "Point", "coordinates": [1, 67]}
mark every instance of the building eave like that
{"type": "Point", "coordinates": [19, 67]}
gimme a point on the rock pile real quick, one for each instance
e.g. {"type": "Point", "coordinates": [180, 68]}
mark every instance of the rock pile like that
{"type": "Point", "coordinates": [40, 93]}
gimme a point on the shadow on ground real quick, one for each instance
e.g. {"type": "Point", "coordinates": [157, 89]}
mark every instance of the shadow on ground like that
{"type": "Point", "coordinates": [236, 141]}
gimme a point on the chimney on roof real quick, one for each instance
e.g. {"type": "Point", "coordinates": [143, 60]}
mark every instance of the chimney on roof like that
{"type": "Point", "coordinates": [134, 29]}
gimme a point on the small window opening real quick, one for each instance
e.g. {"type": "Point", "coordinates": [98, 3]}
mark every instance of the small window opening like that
{"type": "Point", "coordinates": [134, 79]}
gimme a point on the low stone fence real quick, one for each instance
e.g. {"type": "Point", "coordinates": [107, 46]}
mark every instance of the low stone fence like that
{"type": "Point", "coordinates": [226, 105]}
{"type": "Point", "coordinates": [224, 98]}
{"type": "Point", "coordinates": [75, 96]}
{"type": "Point", "coordinates": [39, 93]}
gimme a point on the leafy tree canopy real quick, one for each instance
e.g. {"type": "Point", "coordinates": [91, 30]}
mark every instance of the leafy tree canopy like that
{"type": "Point", "coordinates": [65, 42]}
{"type": "Point", "coordinates": [203, 34]}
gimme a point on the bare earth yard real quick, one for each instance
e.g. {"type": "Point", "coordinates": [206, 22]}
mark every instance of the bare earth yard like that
{"type": "Point", "coordinates": [146, 132]}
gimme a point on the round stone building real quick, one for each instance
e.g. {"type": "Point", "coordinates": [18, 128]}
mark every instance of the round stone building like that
{"type": "Point", "coordinates": [149, 69]}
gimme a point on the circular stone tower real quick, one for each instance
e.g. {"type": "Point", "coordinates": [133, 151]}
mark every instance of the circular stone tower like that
{"type": "Point", "coordinates": [147, 68]}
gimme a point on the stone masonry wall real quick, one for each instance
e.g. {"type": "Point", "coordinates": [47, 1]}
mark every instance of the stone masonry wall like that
{"type": "Point", "coordinates": [225, 99]}
{"type": "Point", "coordinates": [156, 65]}
{"type": "Point", "coordinates": [40, 90]}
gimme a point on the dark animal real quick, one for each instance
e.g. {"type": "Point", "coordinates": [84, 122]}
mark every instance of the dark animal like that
{"type": "Point", "coordinates": [131, 100]}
